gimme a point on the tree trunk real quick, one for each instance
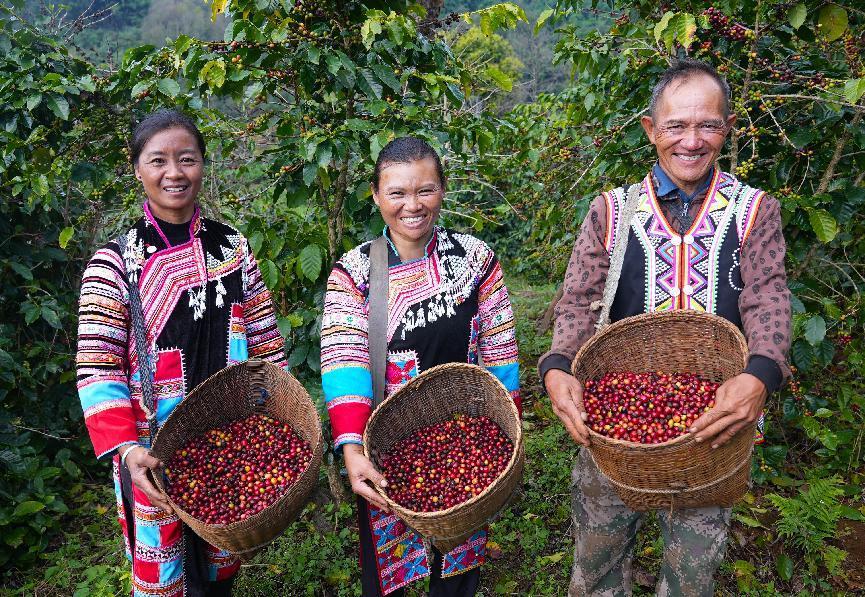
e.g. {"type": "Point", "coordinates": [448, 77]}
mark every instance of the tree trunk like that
{"type": "Point", "coordinates": [546, 321]}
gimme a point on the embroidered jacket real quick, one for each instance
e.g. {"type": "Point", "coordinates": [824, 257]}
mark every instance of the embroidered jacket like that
{"type": "Point", "coordinates": [205, 306]}
{"type": "Point", "coordinates": [451, 305]}
{"type": "Point", "coordinates": [726, 257]}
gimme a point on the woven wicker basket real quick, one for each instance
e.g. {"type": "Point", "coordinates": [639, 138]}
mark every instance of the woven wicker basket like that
{"type": "Point", "coordinates": [434, 396]}
{"type": "Point", "coordinates": [680, 473]}
{"type": "Point", "coordinates": [237, 392]}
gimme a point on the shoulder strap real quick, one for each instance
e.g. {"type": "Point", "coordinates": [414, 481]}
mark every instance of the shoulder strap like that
{"type": "Point", "coordinates": [379, 290]}
{"type": "Point", "coordinates": [618, 257]}
{"type": "Point", "coordinates": [138, 332]}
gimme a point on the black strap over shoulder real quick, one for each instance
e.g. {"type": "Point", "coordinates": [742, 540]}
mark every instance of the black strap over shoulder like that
{"type": "Point", "coordinates": [145, 366]}
{"type": "Point", "coordinates": [379, 289]}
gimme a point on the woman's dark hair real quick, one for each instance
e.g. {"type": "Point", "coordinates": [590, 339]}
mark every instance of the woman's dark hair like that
{"type": "Point", "coordinates": [157, 122]}
{"type": "Point", "coordinates": [404, 150]}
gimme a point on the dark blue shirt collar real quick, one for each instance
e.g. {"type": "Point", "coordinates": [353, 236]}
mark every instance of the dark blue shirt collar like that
{"type": "Point", "coordinates": [667, 186]}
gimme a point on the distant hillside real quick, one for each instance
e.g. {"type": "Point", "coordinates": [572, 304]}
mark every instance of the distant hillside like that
{"type": "Point", "coordinates": [137, 22]}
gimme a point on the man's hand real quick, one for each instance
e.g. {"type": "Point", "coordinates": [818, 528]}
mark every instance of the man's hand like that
{"type": "Point", "coordinates": [566, 395]}
{"type": "Point", "coordinates": [139, 461]}
{"type": "Point", "coordinates": [360, 471]}
{"type": "Point", "coordinates": [738, 402]}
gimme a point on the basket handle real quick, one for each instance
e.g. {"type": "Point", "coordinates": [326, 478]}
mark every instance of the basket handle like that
{"type": "Point", "coordinates": [258, 394]}
{"type": "Point", "coordinates": [618, 257]}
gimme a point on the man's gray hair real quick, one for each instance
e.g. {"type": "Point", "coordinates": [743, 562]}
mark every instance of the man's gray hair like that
{"type": "Point", "coordinates": [682, 70]}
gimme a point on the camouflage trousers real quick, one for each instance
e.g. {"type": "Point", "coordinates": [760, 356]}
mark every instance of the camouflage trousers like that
{"type": "Point", "coordinates": [606, 531]}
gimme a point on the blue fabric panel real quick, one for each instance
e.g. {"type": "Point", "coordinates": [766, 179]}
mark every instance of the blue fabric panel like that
{"type": "Point", "coordinates": [238, 350]}
{"type": "Point", "coordinates": [164, 406]}
{"type": "Point", "coordinates": [148, 535]}
{"type": "Point", "coordinates": [347, 381]}
{"type": "Point", "coordinates": [509, 375]}
{"type": "Point", "coordinates": [104, 391]}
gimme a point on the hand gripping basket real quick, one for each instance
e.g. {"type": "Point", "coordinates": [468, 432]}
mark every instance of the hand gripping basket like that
{"type": "Point", "coordinates": [434, 396]}
{"type": "Point", "coordinates": [237, 392]}
{"type": "Point", "coordinates": [680, 473]}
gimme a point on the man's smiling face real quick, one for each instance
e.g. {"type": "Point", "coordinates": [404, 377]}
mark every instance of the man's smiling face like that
{"type": "Point", "coordinates": [688, 129]}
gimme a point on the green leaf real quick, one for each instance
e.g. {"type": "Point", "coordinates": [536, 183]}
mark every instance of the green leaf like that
{"type": "Point", "coordinates": [784, 566]}
{"type": "Point", "coordinates": [29, 507]}
{"type": "Point", "coordinates": [371, 28]}
{"type": "Point", "coordinates": [31, 312]}
{"type": "Point", "coordinates": [685, 27]}
{"type": "Point", "coordinates": [40, 185]}
{"type": "Point", "coordinates": [34, 100]}
{"type": "Point", "coordinates": [662, 25]}
{"type": "Point", "coordinates": [169, 87]}
{"type": "Point", "coordinates": [833, 21]}
{"type": "Point", "coordinates": [501, 79]}
{"type": "Point", "coordinates": [387, 76]}
{"type": "Point", "coordinates": [22, 270]}
{"type": "Point", "coordinates": [803, 355]}
{"type": "Point", "coordinates": [298, 355]}
{"type": "Point", "coordinates": [748, 521]}
{"type": "Point", "coordinates": [815, 330]}
{"type": "Point", "coordinates": [823, 224]}
{"type": "Point", "coordinates": [15, 537]}
{"type": "Point", "coordinates": [797, 15]}
{"type": "Point", "coordinates": [310, 261]}
{"type": "Point", "coordinates": [854, 89]}
{"type": "Point", "coordinates": [368, 84]}
{"type": "Point", "coordinates": [284, 325]}
{"type": "Point", "coordinates": [255, 240]}
{"type": "Point", "coordinates": [65, 236]}
{"type": "Point", "coordinates": [50, 315]}
{"type": "Point", "coordinates": [269, 273]}
{"type": "Point", "coordinates": [797, 304]}
{"type": "Point", "coordinates": [58, 105]}
{"type": "Point", "coordinates": [543, 18]}
{"type": "Point", "coordinates": [213, 73]}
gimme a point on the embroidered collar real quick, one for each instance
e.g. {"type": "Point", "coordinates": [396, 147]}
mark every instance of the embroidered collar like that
{"type": "Point", "coordinates": [428, 249]}
{"type": "Point", "coordinates": [194, 223]}
{"type": "Point", "coordinates": [666, 186]}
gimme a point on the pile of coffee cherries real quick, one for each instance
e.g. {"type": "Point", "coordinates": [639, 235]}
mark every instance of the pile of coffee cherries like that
{"type": "Point", "coordinates": [446, 464]}
{"type": "Point", "coordinates": [228, 474]}
{"type": "Point", "coordinates": [648, 408]}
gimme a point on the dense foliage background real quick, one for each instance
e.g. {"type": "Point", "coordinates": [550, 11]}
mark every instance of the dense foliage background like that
{"type": "Point", "coordinates": [536, 109]}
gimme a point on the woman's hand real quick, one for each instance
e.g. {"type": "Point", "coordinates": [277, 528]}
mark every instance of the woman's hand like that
{"type": "Point", "coordinates": [139, 461]}
{"type": "Point", "coordinates": [360, 473]}
{"type": "Point", "coordinates": [566, 395]}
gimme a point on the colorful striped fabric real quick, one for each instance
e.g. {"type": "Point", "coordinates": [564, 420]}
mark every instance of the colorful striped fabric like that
{"type": "Point", "coordinates": [205, 306]}
{"type": "Point", "coordinates": [451, 305]}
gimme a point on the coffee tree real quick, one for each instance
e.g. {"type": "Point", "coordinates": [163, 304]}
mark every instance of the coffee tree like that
{"type": "Point", "coordinates": [296, 103]}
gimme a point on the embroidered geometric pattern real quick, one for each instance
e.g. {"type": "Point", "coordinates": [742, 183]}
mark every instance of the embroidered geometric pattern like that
{"type": "Point", "coordinates": [189, 340]}
{"type": "Point", "coordinates": [682, 270]}
{"type": "Point", "coordinates": [450, 305]}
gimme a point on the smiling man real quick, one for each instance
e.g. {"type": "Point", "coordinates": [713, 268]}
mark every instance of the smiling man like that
{"type": "Point", "coordinates": [700, 239]}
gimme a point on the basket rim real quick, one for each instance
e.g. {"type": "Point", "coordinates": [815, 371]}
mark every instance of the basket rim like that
{"type": "Point", "coordinates": [518, 451]}
{"type": "Point", "coordinates": [653, 317]}
{"type": "Point", "coordinates": [195, 394]}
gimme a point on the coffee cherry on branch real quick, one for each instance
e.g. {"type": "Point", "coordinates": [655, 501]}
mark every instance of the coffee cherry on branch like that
{"type": "Point", "coordinates": [646, 408]}
{"type": "Point", "coordinates": [442, 465]}
{"type": "Point", "coordinates": [230, 473]}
